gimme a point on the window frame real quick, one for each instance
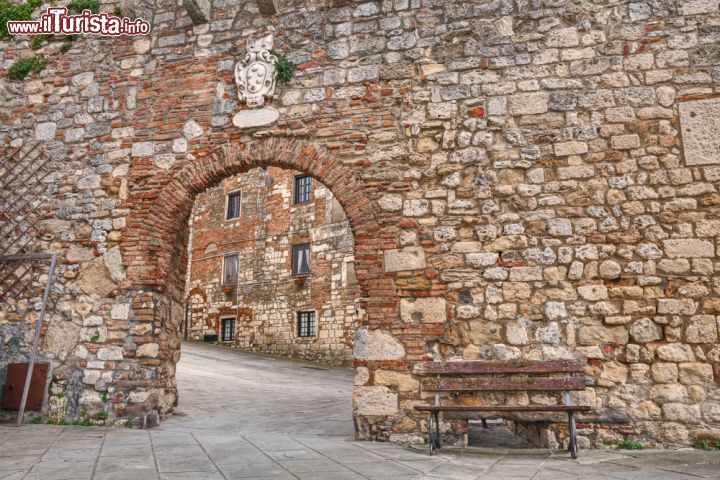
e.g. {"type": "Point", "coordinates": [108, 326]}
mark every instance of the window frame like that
{"type": "Point", "coordinates": [292, 260]}
{"type": "Point", "coordinates": [296, 179]}
{"type": "Point", "coordinates": [233, 329]}
{"type": "Point", "coordinates": [311, 321]}
{"type": "Point", "coordinates": [237, 269]}
{"type": "Point", "coordinates": [237, 192]}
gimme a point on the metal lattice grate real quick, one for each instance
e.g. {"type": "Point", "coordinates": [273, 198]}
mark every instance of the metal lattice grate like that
{"type": "Point", "coordinates": [24, 174]}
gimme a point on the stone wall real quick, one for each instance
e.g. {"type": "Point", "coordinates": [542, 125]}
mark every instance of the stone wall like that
{"type": "Point", "coordinates": [266, 300]}
{"type": "Point", "coordinates": [523, 179]}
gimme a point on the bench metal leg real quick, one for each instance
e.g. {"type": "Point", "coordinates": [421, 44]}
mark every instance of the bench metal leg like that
{"type": "Point", "coordinates": [573, 435]}
{"type": "Point", "coordinates": [431, 439]}
{"type": "Point", "coordinates": [484, 422]}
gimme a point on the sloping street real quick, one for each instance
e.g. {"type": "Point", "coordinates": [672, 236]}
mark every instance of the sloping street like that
{"type": "Point", "coordinates": [245, 416]}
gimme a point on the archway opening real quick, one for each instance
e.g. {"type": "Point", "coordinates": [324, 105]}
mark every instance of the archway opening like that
{"type": "Point", "coordinates": [270, 270]}
{"type": "Point", "coordinates": [156, 253]}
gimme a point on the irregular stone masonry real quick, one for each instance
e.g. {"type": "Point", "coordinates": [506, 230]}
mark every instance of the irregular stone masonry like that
{"type": "Point", "coordinates": [265, 304]}
{"type": "Point", "coordinates": [523, 180]}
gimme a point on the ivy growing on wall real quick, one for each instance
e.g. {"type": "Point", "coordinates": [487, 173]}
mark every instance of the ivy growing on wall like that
{"type": "Point", "coordinates": [77, 6]}
{"type": "Point", "coordinates": [22, 12]}
{"type": "Point", "coordinates": [15, 12]}
{"type": "Point", "coordinates": [285, 68]}
{"type": "Point", "coordinates": [20, 69]}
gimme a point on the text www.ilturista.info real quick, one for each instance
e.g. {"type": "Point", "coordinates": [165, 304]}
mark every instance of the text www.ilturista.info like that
{"type": "Point", "coordinates": [57, 21]}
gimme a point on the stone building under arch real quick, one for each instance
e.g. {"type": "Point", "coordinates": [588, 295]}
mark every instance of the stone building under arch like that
{"type": "Point", "coordinates": [271, 303]}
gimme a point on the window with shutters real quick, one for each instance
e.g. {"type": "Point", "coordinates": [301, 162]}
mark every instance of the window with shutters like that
{"type": "Point", "coordinates": [306, 324]}
{"type": "Point", "coordinates": [230, 269]}
{"type": "Point", "coordinates": [301, 259]}
{"type": "Point", "coordinates": [302, 189]}
{"type": "Point", "coordinates": [233, 205]}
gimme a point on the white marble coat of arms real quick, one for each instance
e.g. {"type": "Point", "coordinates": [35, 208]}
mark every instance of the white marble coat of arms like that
{"type": "Point", "coordinates": [256, 73]}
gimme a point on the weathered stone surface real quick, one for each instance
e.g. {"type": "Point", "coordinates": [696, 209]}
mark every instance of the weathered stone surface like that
{"type": "Point", "coordinates": [110, 353]}
{"type": "Point", "coordinates": [696, 373]}
{"type": "Point", "coordinates": [45, 131]}
{"type": "Point", "coordinates": [699, 119]}
{"type": "Point", "coordinates": [695, 7]}
{"type": "Point", "coordinates": [679, 412]}
{"type": "Point", "coordinates": [675, 352]}
{"type": "Point", "coordinates": [689, 248]}
{"type": "Point", "coordinates": [95, 279]}
{"type": "Point", "coordinates": [408, 258]}
{"type": "Point", "coordinates": [528, 103]}
{"type": "Point", "coordinates": [423, 310]}
{"type": "Point", "coordinates": [664, 372]}
{"type": "Point", "coordinates": [593, 292]}
{"type": "Point", "coordinates": [645, 330]}
{"type": "Point", "coordinates": [702, 329]}
{"type": "Point", "coordinates": [79, 254]}
{"type": "Point", "coordinates": [375, 401]}
{"type": "Point", "coordinates": [192, 129]}
{"type": "Point", "coordinates": [148, 350]}
{"type": "Point", "coordinates": [258, 117]}
{"type": "Point", "coordinates": [594, 335]}
{"type": "Point", "coordinates": [402, 381]}
{"type": "Point", "coordinates": [376, 345]}
{"type": "Point", "coordinates": [114, 264]}
{"type": "Point", "coordinates": [685, 306]}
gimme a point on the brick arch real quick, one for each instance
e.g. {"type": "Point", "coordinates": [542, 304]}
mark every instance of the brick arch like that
{"type": "Point", "coordinates": [162, 204]}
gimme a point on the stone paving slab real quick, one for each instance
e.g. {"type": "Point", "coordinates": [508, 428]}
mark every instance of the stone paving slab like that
{"type": "Point", "coordinates": [267, 441]}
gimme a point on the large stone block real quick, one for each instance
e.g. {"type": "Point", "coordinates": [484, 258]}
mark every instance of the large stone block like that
{"type": "Point", "coordinates": [702, 329]}
{"type": "Point", "coordinates": [688, 248]}
{"type": "Point", "coordinates": [377, 345]}
{"type": "Point", "coordinates": [375, 400]}
{"type": "Point", "coordinates": [675, 352]}
{"type": "Point", "coordinates": [699, 123]}
{"type": "Point", "coordinates": [95, 279]}
{"type": "Point", "coordinates": [390, 378]}
{"type": "Point", "coordinates": [408, 258]}
{"type": "Point", "coordinates": [423, 310]}
{"type": "Point", "coordinates": [528, 103]}
{"type": "Point", "coordinates": [645, 330]}
{"type": "Point", "coordinates": [597, 334]}
{"type": "Point", "coordinates": [668, 393]}
{"type": "Point", "coordinates": [696, 373]}
{"type": "Point", "coordinates": [696, 7]}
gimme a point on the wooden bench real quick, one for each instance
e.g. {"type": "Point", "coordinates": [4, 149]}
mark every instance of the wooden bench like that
{"type": "Point", "coordinates": [481, 376]}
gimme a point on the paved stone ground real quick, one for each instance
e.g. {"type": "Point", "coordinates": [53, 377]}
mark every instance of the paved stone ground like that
{"type": "Point", "coordinates": [252, 417]}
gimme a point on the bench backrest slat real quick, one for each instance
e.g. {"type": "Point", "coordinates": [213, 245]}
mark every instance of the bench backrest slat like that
{"type": "Point", "coordinates": [502, 384]}
{"type": "Point", "coordinates": [516, 366]}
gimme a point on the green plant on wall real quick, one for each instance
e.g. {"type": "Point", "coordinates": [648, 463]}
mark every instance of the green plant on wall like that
{"type": "Point", "coordinates": [23, 67]}
{"type": "Point", "coordinates": [38, 40]}
{"type": "Point", "coordinates": [67, 43]}
{"type": "Point", "coordinates": [285, 68]}
{"type": "Point", "coordinates": [15, 12]}
{"type": "Point", "coordinates": [77, 6]}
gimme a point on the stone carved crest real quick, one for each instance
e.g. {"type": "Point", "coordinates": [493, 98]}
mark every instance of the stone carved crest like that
{"type": "Point", "coordinates": [255, 74]}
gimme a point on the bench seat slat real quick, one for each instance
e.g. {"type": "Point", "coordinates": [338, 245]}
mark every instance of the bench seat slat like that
{"type": "Point", "coordinates": [504, 408]}
{"type": "Point", "coordinates": [514, 366]}
{"type": "Point", "coordinates": [474, 384]}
